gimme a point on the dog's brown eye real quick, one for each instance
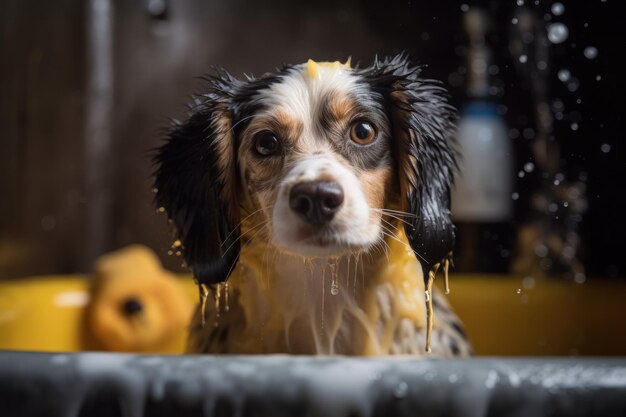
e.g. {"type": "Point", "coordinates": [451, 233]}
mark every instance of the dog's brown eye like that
{"type": "Point", "coordinates": [266, 143]}
{"type": "Point", "coordinates": [362, 133]}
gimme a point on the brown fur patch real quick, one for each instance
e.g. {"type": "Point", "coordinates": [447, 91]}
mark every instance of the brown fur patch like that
{"type": "Point", "coordinates": [261, 173]}
{"type": "Point", "coordinates": [227, 162]}
{"type": "Point", "coordinates": [339, 106]}
{"type": "Point", "coordinates": [287, 128]}
{"type": "Point", "coordinates": [376, 184]}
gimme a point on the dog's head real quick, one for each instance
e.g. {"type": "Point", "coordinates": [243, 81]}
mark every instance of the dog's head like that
{"type": "Point", "coordinates": [318, 156]}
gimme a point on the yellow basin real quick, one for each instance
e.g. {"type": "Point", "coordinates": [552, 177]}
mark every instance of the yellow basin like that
{"type": "Point", "coordinates": [502, 316]}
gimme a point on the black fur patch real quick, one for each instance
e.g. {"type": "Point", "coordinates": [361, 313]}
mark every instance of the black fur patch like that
{"type": "Point", "coordinates": [188, 178]}
{"type": "Point", "coordinates": [422, 126]}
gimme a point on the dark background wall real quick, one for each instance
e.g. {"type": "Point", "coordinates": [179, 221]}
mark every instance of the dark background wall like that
{"type": "Point", "coordinates": [54, 220]}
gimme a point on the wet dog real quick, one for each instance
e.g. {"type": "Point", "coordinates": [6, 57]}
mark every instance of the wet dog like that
{"type": "Point", "coordinates": [312, 205]}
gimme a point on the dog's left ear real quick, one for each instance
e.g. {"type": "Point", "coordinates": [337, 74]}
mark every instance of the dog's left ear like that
{"type": "Point", "coordinates": [422, 133]}
{"type": "Point", "coordinates": [196, 183]}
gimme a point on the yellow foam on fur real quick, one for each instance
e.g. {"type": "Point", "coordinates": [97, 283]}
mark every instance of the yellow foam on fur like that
{"type": "Point", "coordinates": [313, 68]}
{"type": "Point", "coordinates": [300, 302]}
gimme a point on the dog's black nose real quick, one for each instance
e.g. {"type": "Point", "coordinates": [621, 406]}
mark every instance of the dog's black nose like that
{"type": "Point", "coordinates": [316, 202]}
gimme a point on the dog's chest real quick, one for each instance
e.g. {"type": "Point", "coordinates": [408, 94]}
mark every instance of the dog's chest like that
{"type": "Point", "coordinates": [352, 305]}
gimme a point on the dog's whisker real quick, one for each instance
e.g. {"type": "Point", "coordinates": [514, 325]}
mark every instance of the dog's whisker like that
{"type": "Point", "coordinates": [398, 212]}
{"type": "Point", "coordinates": [242, 221]}
{"type": "Point", "coordinates": [405, 245]}
{"type": "Point", "coordinates": [383, 247]}
{"type": "Point", "coordinates": [256, 228]}
{"type": "Point", "coordinates": [390, 224]}
{"type": "Point", "coordinates": [393, 216]}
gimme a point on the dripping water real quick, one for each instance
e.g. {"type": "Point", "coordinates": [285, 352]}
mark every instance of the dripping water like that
{"type": "Point", "coordinates": [334, 283]}
{"type": "Point", "coordinates": [446, 268]}
{"type": "Point", "coordinates": [356, 269]}
{"type": "Point", "coordinates": [218, 296]}
{"type": "Point", "coordinates": [226, 302]}
{"type": "Point", "coordinates": [323, 292]}
{"type": "Point", "coordinates": [204, 295]}
{"type": "Point", "coordinates": [348, 271]}
{"type": "Point", "coordinates": [429, 306]}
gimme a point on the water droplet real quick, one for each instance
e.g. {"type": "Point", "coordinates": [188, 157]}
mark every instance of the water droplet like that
{"type": "Point", "coordinates": [590, 52]}
{"type": "Point", "coordinates": [606, 148]}
{"type": "Point", "coordinates": [528, 133]}
{"type": "Point", "coordinates": [523, 58]}
{"type": "Point", "coordinates": [464, 7]}
{"type": "Point", "coordinates": [573, 85]}
{"type": "Point", "coordinates": [515, 196]}
{"type": "Point", "coordinates": [580, 278]}
{"type": "Point", "coordinates": [334, 279]}
{"type": "Point", "coordinates": [529, 167]}
{"type": "Point", "coordinates": [557, 105]}
{"type": "Point", "coordinates": [520, 2]}
{"type": "Point", "coordinates": [521, 174]}
{"type": "Point", "coordinates": [400, 390]}
{"type": "Point", "coordinates": [177, 243]}
{"type": "Point", "coordinates": [598, 77]}
{"type": "Point", "coordinates": [446, 270]}
{"type": "Point", "coordinates": [218, 307]}
{"type": "Point", "coordinates": [557, 33]}
{"type": "Point", "coordinates": [557, 9]}
{"type": "Point", "coordinates": [323, 295]}
{"type": "Point", "coordinates": [541, 251]}
{"type": "Point", "coordinates": [564, 75]}
{"type": "Point", "coordinates": [226, 296]}
{"type": "Point", "coordinates": [574, 126]}
{"type": "Point", "coordinates": [528, 283]}
{"type": "Point", "coordinates": [170, 253]}
{"type": "Point", "coordinates": [518, 291]}
{"type": "Point", "coordinates": [155, 190]}
{"type": "Point", "coordinates": [568, 252]}
{"type": "Point", "coordinates": [453, 378]}
{"type": "Point", "coordinates": [492, 379]}
{"type": "Point", "coordinates": [161, 209]}
{"type": "Point", "coordinates": [514, 20]}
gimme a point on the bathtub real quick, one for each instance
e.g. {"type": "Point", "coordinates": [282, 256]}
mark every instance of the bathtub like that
{"type": "Point", "coordinates": [503, 315]}
{"type": "Point", "coordinates": [551, 326]}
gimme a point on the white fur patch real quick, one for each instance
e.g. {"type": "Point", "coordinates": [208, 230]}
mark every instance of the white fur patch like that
{"type": "Point", "coordinates": [301, 96]}
{"type": "Point", "coordinates": [351, 226]}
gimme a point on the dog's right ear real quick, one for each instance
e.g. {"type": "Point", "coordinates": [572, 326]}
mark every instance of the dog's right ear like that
{"type": "Point", "coordinates": [196, 182]}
